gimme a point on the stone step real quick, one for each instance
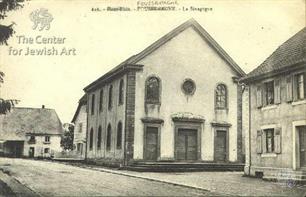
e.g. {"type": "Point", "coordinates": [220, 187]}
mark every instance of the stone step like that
{"type": "Point", "coordinates": [184, 167]}
{"type": "Point", "coordinates": [284, 179]}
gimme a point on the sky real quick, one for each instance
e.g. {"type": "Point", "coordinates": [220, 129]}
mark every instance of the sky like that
{"type": "Point", "coordinates": [249, 31]}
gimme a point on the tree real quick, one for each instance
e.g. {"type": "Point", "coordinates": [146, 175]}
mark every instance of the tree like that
{"type": "Point", "coordinates": [67, 138]}
{"type": "Point", "coordinates": [6, 31]}
{"type": "Point", "coordinates": [6, 105]}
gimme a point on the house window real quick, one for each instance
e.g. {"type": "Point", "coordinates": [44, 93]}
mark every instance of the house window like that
{"type": "Point", "coordinates": [92, 104]}
{"type": "Point", "coordinates": [101, 101]}
{"type": "Point", "coordinates": [110, 97]}
{"type": "Point", "coordinates": [46, 150]}
{"type": "Point", "coordinates": [221, 96]}
{"type": "Point", "coordinates": [32, 139]}
{"type": "Point", "coordinates": [80, 127]}
{"type": "Point", "coordinates": [152, 90]}
{"type": "Point", "coordinates": [119, 136]}
{"type": "Point", "coordinates": [79, 147]}
{"type": "Point", "coordinates": [99, 137]}
{"type": "Point", "coordinates": [300, 89]}
{"type": "Point", "coordinates": [47, 138]}
{"type": "Point", "coordinates": [269, 93]}
{"type": "Point", "coordinates": [91, 139]}
{"type": "Point", "coordinates": [108, 137]}
{"type": "Point", "coordinates": [269, 140]}
{"type": "Point", "coordinates": [121, 91]}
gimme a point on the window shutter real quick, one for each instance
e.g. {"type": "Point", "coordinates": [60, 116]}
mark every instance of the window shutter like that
{"type": "Point", "coordinates": [304, 85]}
{"type": "Point", "coordinates": [277, 92]}
{"type": "Point", "coordinates": [294, 88]}
{"type": "Point", "coordinates": [289, 89]}
{"type": "Point", "coordinates": [259, 142]}
{"type": "Point", "coordinates": [277, 140]}
{"type": "Point", "coordinates": [259, 96]}
{"type": "Point", "coordinates": [264, 94]}
{"type": "Point", "coordinates": [263, 139]}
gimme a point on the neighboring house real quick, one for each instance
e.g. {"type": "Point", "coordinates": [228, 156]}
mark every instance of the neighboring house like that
{"type": "Point", "coordinates": [30, 132]}
{"type": "Point", "coordinates": [177, 100]}
{"type": "Point", "coordinates": [276, 142]}
{"type": "Point", "coordinates": [80, 126]}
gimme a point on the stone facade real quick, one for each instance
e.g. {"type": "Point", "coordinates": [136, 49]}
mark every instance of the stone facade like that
{"type": "Point", "coordinates": [171, 104]}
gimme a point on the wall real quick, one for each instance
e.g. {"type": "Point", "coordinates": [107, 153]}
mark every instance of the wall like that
{"type": "Point", "coordinates": [103, 118]}
{"type": "Point", "coordinates": [40, 145]}
{"type": "Point", "coordinates": [80, 137]}
{"type": "Point", "coordinates": [281, 115]}
{"type": "Point", "coordinates": [186, 56]}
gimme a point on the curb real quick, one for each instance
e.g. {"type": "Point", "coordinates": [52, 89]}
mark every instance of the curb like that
{"type": "Point", "coordinates": [18, 188]}
{"type": "Point", "coordinates": [148, 178]}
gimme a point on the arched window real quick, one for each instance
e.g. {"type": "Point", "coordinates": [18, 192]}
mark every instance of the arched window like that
{"type": "Point", "coordinates": [119, 136]}
{"type": "Point", "coordinates": [101, 100]}
{"type": "Point", "coordinates": [109, 137]}
{"type": "Point", "coordinates": [99, 137]}
{"type": "Point", "coordinates": [93, 104]}
{"type": "Point", "coordinates": [121, 89]}
{"type": "Point", "coordinates": [91, 139]}
{"type": "Point", "coordinates": [153, 90]}
{"type": "Point", "coordinates": [221, 97]}
{"type": "Point", "coordinates": [110, 97]}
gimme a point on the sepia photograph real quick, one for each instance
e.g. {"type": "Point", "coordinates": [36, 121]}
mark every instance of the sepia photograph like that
{"type": "Point", "coordinates": [152, 98]}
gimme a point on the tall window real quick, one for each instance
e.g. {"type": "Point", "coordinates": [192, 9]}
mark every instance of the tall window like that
{"type": "Point", "coordinates": [121, 93]}
{"type": "Point", "coordinates": [152, 90]}
{"type": "Point", "coordinates": [91, 139]}
{"type": "Point", "coordinates": [80, 127]}
{"type": "Point", "coordinates": [269, 140]}
{"type": "Point", "coordinates": [108, 137]}
{"type": "Point", "coordinates": [269, 93]}
{"type": "Point", "coordinates": [119, 136]}
{"type": "Point", "coordinates": [221, 96]}
{"type": "Point", "coordinates": [110, 97]}
{"type": "Point", "coordinates": [101, 101]}
{"type": "Point", "coordinates": [300, 82]}
{"type": "Point", "coordinates": [99, 137]}
{"type": "Point", "coordinates": [92, 104]}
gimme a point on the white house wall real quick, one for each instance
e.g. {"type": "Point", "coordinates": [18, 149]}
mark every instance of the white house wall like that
{"type": "Point", "coordinates": [186, 56]}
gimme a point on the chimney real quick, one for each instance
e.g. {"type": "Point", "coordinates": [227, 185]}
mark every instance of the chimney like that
{"type": "Point", "coordinates": [43, 106]}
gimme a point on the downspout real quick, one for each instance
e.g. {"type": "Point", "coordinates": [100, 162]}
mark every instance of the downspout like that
{"type": "Point", "coordinates": [86, 128]}
{"type": "Point", "coordinates": [125, 125]}
{"type": "Point", "coordinates": [250, 130]}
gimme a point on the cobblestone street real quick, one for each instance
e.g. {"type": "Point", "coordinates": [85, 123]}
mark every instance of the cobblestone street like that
{"type": "Point", "coordinates": [46, 178]}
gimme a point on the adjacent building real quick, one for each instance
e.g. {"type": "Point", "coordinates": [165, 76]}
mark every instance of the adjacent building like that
{"type": "Point", "coordinates": [30, 132]}
{"type": "Point", "coordinates": [276, 141]}
{"type": "Point", "coordinates": [178, 100]}
{"type": "Point", "coordinates": [80, 126]}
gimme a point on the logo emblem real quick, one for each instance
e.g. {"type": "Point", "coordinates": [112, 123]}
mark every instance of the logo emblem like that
{"type": "Point", "coordinates": [41, 19]}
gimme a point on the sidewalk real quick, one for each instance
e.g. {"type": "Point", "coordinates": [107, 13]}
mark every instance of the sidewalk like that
{"type": "Point", "coordinates": [11, 187]}
{"type": "Point", "coordinates": [225, 183]}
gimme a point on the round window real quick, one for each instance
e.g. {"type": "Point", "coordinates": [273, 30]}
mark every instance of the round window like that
{"type": "Point", "coordinates": [188, 86]}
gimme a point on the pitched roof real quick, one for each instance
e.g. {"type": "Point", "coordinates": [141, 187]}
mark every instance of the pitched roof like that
{"type": "Point", "coordinates": [82, 101]}
{"type": "Point", "coordinates": [133, 60]}
{"type": "Point", "coordinates": [291, 53]}
{"type": "Point", "coordinates": [16, 124]}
